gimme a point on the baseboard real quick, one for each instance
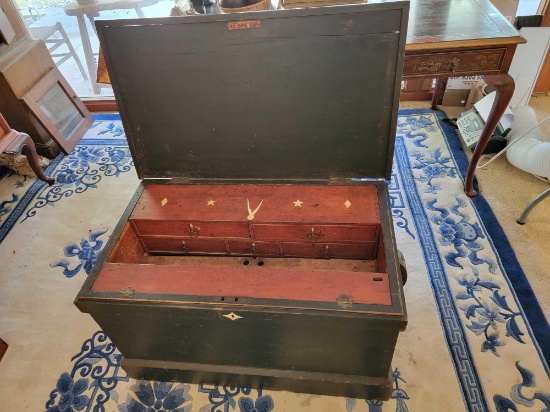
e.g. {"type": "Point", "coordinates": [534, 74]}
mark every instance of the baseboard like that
{"type": "Point", "coordinates": [100, 105]}
{"type": "Point", "coordinates": [365, 387]}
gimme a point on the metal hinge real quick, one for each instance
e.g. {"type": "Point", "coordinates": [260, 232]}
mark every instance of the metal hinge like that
{"type": "Point", "coordinates": [181, 180]}
{"type": "Point", "coordinates": [370, 179]}
{"type": "Point", "coordinates": [338, 181]}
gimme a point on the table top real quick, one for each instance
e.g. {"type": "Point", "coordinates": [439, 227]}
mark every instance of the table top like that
{"type": "Point", "coordinates": [450, 23]}
{"type": "Point", "coordinates": [432, 23]}
{"type": "Point", "coordinates": [75, 9]}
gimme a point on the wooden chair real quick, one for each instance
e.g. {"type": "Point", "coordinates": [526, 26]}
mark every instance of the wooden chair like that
{"type": "Point", "coordinates": [47, 34]}
{"type": "Point", "coordinates": [13, 142]}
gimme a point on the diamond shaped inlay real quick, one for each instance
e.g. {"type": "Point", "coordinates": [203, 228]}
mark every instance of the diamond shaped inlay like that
{"type": "Point", "coordinates": [347, 203]}
{"type": "Point", "coordinates": [232, 316]}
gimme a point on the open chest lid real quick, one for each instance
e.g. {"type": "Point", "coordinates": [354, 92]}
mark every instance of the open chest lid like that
{"type": "Point", "coordinates": [286, 95]}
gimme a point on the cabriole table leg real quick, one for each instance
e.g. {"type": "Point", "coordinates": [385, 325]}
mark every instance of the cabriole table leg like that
{"type": "Point", "coordinates": [24, 144]}
{"type": "Point", "coordinates": [504, 84]}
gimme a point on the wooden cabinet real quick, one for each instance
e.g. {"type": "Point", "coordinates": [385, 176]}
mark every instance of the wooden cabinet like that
{"type": "Point", "coordinates": [12, 28]}
{"type": "Point", "coordinates": [20, 68]}
{"type": "Point", "coordinates": [23, 67]}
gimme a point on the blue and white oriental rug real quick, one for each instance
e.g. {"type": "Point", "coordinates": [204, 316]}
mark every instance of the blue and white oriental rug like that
{"type": "Point", "coordinates": [476, 340]}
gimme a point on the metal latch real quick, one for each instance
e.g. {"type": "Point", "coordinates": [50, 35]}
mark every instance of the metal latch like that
{"type": "Point", "coordinates": [344, 302]}
{"type": "Point", "coordinates": [127, 292]}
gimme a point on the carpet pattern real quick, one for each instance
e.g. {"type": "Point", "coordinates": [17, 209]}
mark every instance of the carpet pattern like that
{"type": "Point", "coordinates": [476, 340]}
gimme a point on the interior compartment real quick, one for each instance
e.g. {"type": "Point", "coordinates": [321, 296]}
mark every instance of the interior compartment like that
{"type": "Point", "coordinates": [176, 242]}
{"type": "Point", "coordinates": [129, 249]}
{"type": "Point", "coordinates": [259, 220]}
{"type": "Point", "coordinates": [238, 279]}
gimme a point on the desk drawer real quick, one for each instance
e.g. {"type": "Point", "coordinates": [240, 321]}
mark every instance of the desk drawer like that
{"type": "Point", "coordinates": [316, 233]}
{"type": "Point", "coordinates": [329, 250]}
{"type": "Point", "coordinates": [253, 248]}
{"type": "Point", "coordinates": [184, 246]}
{"type": "Point", "coordinates": [456, 64]}
{"type": "Point", "coordinates": [191, 229]}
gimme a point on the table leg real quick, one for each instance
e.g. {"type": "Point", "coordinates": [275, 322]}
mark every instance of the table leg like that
{"type": "Point", "coordinates": [438, 90]}
{"type": "Point", "coordinates": [92, 22]}
{"type": "Point", "coordinates": [24, 144]}
{"type": "Point", "coordinates": [140, 13]}
{"type": "Point", "coordinates": [504, 84]}
{"type": "Point", "coordinates": [88, 53]}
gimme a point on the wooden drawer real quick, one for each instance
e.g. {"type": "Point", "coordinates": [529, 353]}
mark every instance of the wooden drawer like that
{"type": "Point", "coordinates": [191, 229]}
{"type": "Point", "coordinates": [184, 246]}
{"type": "Point", "coordinates": [329, 250]}
{"type": "Point", "coordinates": [316, 233]}
{"type": "Point", "coordinates": [254, 248]}
{"type": "Point", "coordinates": [460, 63]}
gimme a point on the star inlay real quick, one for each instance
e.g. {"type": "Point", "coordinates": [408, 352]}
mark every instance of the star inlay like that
{"type": "Point", "coordinates": [211, 202]}
{"type": "Point", "coordinates": [298, 203]}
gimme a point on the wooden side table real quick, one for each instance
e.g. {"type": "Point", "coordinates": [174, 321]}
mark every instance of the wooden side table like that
{"type": "Point", "coordinates": [462, 38]}
{"type": "Point", "coordinates": [91, 11]}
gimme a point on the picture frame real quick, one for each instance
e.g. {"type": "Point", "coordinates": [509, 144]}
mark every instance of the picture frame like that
{"type": "Point", "coordinates": [55, 105]}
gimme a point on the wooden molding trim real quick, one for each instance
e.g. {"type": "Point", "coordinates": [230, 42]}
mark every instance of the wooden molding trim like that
{"type": "Point", "coordinates": [100, 105]}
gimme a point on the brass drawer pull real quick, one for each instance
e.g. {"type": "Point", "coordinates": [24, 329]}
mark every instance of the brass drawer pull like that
{"type": "Point", "coordinates": [453, 64]}
{"type": "Point", "coordinates": [313, 234]}
{"type": "Point", "coordinates": [253, 248]}
{"type": "Point", "coordinates": [185, 247]}
{"type": "Point", "coordinates": [194, 230]}
{"type": "Point", "coordinates": [326, 251]}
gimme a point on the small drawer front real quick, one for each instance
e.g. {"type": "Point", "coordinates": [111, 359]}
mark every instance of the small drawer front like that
{"type": "Point", "coordinates": [460, 63]}
{"type": "Point", "coordinates": [184, 246]}
{"type": "Point", "coordinates": [330, 250]}
{"type": "Point", "coordinates": [316, 233]}
{"type": "Point", "coordinates": [192, 229]}
{"type": "Point", "coordinates": [254, 248]}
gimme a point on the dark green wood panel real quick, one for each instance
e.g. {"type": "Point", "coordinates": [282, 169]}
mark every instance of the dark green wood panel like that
{"type": "Point", "coordinates": [356, 346]}
{"type": "Point", "coordinates": [301, 97]}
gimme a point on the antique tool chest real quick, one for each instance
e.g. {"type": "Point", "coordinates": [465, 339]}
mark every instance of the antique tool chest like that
{"type": "Point", "coordinates": [259, 248]}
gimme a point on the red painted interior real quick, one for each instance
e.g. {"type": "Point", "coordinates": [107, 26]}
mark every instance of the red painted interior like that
{"type": "Point", "coordinates": [247, 282]}
{"type": "Point", "coordinates": [320, 204]}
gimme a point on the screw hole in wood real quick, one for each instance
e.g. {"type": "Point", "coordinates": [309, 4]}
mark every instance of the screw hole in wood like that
{"type": "Point", "coordinates": [246, 262]}
{"type": "Point", "coordinates": [260, 263]}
